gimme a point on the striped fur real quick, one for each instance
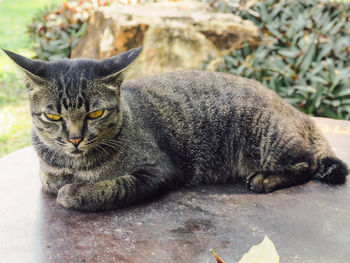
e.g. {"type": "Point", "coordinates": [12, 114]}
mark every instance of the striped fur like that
{"type": "Point", "coordinates": [161, 132]}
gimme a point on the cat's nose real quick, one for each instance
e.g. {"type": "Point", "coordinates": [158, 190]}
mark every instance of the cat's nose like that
{"type": "Point", "coordinates": [75, 140]}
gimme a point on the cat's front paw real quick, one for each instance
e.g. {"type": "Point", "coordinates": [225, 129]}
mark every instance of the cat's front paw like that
{"type": "Point", "coordinates": [88, 196]}
{"type": "Point", "coordinates": [53, 183]}
{"type": "Point", "coordinates": [261, 183]}
{"type": "Point", "coordinates": [69, 196]}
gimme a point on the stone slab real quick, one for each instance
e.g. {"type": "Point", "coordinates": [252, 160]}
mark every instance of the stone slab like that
{"type": "Point", "coordinates": [175, 35]}
{"type": "Point", "coordinates": [307, 223]}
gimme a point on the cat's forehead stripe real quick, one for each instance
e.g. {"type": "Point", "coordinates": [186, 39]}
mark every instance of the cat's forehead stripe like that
{"type": "Point", "coordinates": [82, 88]}
{"type": "Point", "coordinates": [80, 102]}
{"type": "Point", "coordinates": [65, 104]}
{"type": "Point", "coordinates": [71, 92]}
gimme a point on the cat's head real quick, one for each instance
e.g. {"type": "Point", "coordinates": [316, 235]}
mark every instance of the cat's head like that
{"type": "Point", "coordinates": [75, 104]}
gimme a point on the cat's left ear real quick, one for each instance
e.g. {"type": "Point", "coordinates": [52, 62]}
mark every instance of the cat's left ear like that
{"type": "Point", "coordinates": [36, 70]}
{"type": "Point", "coordinates": [110, 69]}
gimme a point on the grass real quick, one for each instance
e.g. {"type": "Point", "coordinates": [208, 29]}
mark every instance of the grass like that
{"type": "Point", "coordinates": [15, 122]}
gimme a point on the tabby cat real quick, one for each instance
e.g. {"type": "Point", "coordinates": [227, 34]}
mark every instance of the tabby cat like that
{"type": "Point", "coordinates": [104, 143]}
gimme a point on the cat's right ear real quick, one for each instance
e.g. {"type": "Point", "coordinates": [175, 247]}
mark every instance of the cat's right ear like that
{"type": "Point", "coordinates": [35, 70]}
{"type": "Point", "coordinates": [110, 70]}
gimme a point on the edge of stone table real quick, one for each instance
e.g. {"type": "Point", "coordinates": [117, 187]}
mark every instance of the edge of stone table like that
{"type": "Point", "coordinates": [307, 223]}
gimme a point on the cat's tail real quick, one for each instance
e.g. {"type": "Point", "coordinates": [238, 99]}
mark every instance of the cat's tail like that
{"type": "Point", "coordinates": [330, 168]}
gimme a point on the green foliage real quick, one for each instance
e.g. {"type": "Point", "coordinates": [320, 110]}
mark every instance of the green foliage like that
{"type": "Point", "coordinates": [304, 56]}
{"type": "Point", "coordinates": [55, 30]}
{"type": "Point", "coordinates": [14, 16]}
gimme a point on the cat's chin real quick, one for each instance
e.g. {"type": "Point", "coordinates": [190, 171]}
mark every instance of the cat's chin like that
{"type": "Point", "coordinates": [75, 152]}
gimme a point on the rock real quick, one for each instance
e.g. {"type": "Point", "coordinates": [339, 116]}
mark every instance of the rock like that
{"type": "Point", "coordinates": [174, 35]}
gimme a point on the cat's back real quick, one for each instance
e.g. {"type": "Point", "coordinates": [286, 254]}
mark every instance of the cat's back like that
{"type": "Point", "coordinates": [204, 94]}
{"type": "Point", "coordinates": [194, 89]}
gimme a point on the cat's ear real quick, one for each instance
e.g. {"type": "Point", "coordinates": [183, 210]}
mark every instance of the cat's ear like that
{"type": "Point", "coordinates": [110, 69]}
{"type": "Point", "coordinates": [34, 69]}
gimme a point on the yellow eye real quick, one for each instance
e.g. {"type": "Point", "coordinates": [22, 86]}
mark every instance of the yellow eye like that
{"type": "Point", "coordinates": [52, 117]}
{"type": "Point", "coordinates": [95, 114]}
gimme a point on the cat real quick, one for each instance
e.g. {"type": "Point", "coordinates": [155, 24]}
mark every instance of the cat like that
{"type": "Point", "coordinates": [104, 143]}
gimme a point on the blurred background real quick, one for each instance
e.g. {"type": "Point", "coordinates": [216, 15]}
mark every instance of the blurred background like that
{"type": "Point", "coordinates": [298, 48]}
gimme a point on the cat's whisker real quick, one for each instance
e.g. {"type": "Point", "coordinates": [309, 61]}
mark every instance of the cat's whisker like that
{"type": "Point", "coordinates": [122, 143]}
{"type": "Point", "coordinates": [114, 143]}
{"type": "Point", "coordinates": [123, 140]}
{"type": "Point", "coordinates": [129, 142]}
{"type": "Point", "coordinates": [115, 147]}
{"type": "Point", "coordinates": [91, 141]}
{"type": "Point", "coordinates": [112, 146]}
{"type": "Point", "coordinates": [121, 146]}
{"type": "Point", "coordinates": [100, 147]}
{"type": "Point", "coordinates": [59, 143]}
{"type": "Point", "coordinates": [99, 152]}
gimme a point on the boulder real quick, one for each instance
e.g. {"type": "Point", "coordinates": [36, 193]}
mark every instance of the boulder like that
{"type": "Point", "coordinates": [174, 35]}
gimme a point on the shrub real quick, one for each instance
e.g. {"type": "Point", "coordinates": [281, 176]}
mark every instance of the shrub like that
{"type": "Point", "coordinates": [56, 30]}
{"type": "Point", "coordinates": [304, 56]}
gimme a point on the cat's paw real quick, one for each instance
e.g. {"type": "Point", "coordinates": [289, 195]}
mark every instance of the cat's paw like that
{"type": "Point", "coordinates": [53, 183]}
{"type": "Point", "coordinates": [69, 196]}
{"type": "Point", "coordinates": [261, 183]}
{"type": "Point", "coordinates": [87, 196]}
{"type": "Point", "coordinates": [254, 182]}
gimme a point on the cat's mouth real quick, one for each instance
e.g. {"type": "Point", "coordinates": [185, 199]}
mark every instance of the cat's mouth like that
{"type": "Point", "coordinates": [76, 152]}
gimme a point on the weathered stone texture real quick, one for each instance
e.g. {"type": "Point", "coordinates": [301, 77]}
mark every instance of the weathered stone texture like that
{"type": "Point", "coordinates": [174, 35]}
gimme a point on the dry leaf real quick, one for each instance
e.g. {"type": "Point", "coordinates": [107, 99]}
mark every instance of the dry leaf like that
{"type": "Point", "coordinates": [218, 259]}
{"type": "Point", "coordinates": [265, 252]}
